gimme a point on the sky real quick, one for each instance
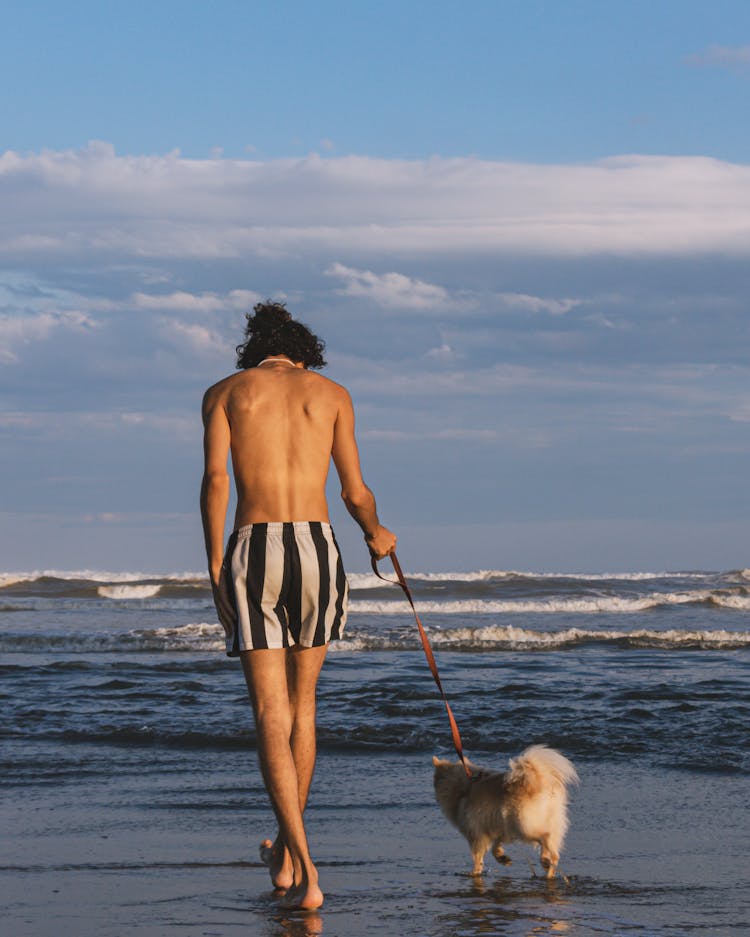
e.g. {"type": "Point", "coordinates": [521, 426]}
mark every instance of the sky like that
{"type": "Point", "coordinates": [522, 229]}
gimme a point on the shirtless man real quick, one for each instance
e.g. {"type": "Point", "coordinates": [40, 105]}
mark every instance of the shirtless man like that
{"type": "Point", "coordinates": [280, 588]}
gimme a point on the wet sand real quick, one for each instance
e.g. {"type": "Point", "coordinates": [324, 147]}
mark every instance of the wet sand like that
{"type": "Point", "coordinates": [158, 851]}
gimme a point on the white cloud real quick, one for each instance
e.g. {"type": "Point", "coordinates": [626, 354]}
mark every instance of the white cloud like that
{"type": "Point", "coordinates": [24, 329]}
{"type": "Point", "coordinates": [181, 301]}
{"type": "Point", "coordinates": [370, 377]}
{"type": "Point", "coordinates": [606, 305]}
{"type": "Point", "coordinates": [138, 207]}
{"type": "Point", "coordinates": [741, 412]}
{"type": "Point", "coordinates": [722, 56]}
{"type": "Point", "coordinates": [104, 517]}
{"type": "Point", "coordinates": [449, 434]}
{"type": "Point", "coordinates": [56, 425]}
{"type": "Point", "coordinates": [388, 289]}
{"type": "Point", "coordinates": [200, 338]}
{"type": "Point", "coordinates": [16, 420]}
{"type": "Point", "coordinates": [555, 307]}
{"type": "Point", "coordinates": [443, 353]}
{"type": "Point", "coordinates": [183, 426]}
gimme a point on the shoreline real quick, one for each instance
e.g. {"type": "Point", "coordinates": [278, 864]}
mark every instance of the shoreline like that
{"type": "Point", "coordinates": [155, 852]}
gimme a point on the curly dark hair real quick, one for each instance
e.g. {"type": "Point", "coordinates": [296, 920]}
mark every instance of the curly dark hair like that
{"type": "Point", "coordinates": [271, 330]}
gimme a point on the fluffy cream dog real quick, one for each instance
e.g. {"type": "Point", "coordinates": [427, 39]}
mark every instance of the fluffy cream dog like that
{"type": "Point", "coordinates": [528, 802]}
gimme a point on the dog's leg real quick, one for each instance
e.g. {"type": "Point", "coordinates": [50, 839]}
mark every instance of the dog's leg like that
{"type": "Point", "coordinates": [499, 854]}
{"type": "Point", "coordinates": [478, 848]}
{"type": "Point", "coordinates": [549, 856]}
{"type": "Point", "coordinates": [477, 854]}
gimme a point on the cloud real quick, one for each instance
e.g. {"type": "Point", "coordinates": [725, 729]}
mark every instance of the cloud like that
{"type": "Point", "coordinates": [388, 289]}
{"type": "Point", "coordinates": [207, 335]}
{"type": "Point", "coordinates": [459, 434]}
{"type": "Point", "coordinates": [371, 377]}
{"type": "Point", "coordinates": [181, 301]}
{"type": "Point", "coordinates": [63, 205]}
{"type": "Point", "coordinates": [441, 353]}
{"type": "Point", "coordinates": [741, 412]}
{"type": "Point", "coordinates": [198, 337]}
{"type": "Point", "coordinates": [734, 57]}
{"type": "Point", "coordinates": [397, 290]}
{"type": "Point", "coordinates": [104, 517]}
{"type": "Point", "coordinates": [603, 317]}
{"type": "Point", "coordinates": [14, 420]}
{"type": "Point", "coordinates": [25, 329]}
{"type": "Point", "coordinates": [60, 425]}
{"type": "Point", "coordinates": [555, 307]}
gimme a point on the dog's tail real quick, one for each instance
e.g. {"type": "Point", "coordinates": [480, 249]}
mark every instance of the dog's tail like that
{"type": "Point", "coordinates": [538, 767]}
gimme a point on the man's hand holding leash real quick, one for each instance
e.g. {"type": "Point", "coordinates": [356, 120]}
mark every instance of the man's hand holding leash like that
{"type": "Point", "coordinates": [381, 543]}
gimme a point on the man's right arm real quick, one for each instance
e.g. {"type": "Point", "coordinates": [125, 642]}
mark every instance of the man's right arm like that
{"type": "Point", "coordinates": [215, 486]}
{"type": "Point", "coordinates": [359, 500]}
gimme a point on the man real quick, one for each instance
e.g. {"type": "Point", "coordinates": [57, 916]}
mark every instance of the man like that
{"type": "Point", "coordinates": [280, 589]}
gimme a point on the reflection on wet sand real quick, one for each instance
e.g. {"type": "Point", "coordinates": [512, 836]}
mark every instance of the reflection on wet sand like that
{"type": "Point", "coordinates": [301, 924]}
{"type": "Point", "coordinates": [507, 907]}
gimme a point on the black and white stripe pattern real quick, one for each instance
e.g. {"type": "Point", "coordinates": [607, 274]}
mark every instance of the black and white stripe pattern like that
{"type": "Point", "coordinates": [283, 584]}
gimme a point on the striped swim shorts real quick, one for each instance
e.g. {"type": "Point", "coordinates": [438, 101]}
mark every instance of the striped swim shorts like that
{"type": "Point", "coordinates": [282, 584]}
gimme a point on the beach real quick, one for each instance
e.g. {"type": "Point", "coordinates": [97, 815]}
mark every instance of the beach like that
{"type": "Point", "coordinates": [132, 802]}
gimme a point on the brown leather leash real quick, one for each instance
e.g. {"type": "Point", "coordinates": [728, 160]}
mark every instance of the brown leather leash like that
{"type": "Point", "coordinates": [401, 581]}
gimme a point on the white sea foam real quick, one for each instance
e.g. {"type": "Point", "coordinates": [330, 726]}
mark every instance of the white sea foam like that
{"type": "Point", "coordinates": [370, 581]}
{"type": "Point", "coordinates": [129, 591]}
{"type": "Point", "coordinates": [583, 605]}
{"type": "Point", "coordinates": [201, 635]}
{"type": "Point", "coordinates": [357, 581]}
{"type": "Point", "coordinates": [622, 577]}
{"type": "Point", "coordinates": [97, 575]}
{"type": "Point", "coordinates": [731, 601]}
{"type": "Point", "coordinates": [521, 637]}
{"type": "Point", "coordinates": [208, 637]}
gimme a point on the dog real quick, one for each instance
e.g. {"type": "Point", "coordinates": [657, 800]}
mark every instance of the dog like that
{"type": "Point", "coordinates": [528, 802]}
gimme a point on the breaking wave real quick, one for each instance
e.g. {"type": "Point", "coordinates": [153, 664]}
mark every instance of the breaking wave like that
{"type": "Point", "coordinates": [521, 638]}
{"type": "Point", "coordinates": [509, 638]}
{"type": "Point", "coordinates": [94, 575]}
{"type": "Point", "coordinates": [204, 637]}
{"type": "Point", "coordinates": [129, 591]}
{"type": "Point", "coordinates": [357, 581]}
{"type": "Point", "coordinates": [371, 581]}
{"type": "Point", "coordinates": [577, 605]}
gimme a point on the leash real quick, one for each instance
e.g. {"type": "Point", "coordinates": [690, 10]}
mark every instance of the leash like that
{"type": "Point", "coordinates": [401, 581]}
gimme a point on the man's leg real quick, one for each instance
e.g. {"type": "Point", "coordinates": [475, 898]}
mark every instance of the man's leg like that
{"type": "Point", "coordinates": [281, 683]}
{"type": "Point", "coordinates": [302, 671]}
{"type": "Point", "coordinates": [303, 667]}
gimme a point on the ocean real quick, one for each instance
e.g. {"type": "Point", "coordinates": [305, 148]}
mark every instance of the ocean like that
{"type": "Point", "coordinates": [131, 800]}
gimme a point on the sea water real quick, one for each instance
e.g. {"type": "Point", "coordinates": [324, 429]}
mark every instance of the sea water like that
{"type": "Point", "coordinates": [115, 691]}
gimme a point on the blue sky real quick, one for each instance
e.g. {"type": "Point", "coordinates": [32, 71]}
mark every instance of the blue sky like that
{"type": "Point", "coordinates": [522, 228]}
{"type": "Point", "coordinates": [530, 80]}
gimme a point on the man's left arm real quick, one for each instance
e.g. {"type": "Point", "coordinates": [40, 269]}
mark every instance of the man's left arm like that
{"type": "Point", "coordinates": [215, 485]}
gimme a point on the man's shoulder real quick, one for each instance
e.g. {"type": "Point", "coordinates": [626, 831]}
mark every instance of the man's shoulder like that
{"type": "Point", "coordinates": [236, 377]}
{"type": "Point", "coordinates": [221, 388]}
{"type": "Point", "coordinates": [325, 383]}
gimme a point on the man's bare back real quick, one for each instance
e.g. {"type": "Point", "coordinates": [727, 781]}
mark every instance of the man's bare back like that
{"type": "Point", "coordinates": [282, 420]}
{"type": "Point", "coordinates": [282, 423]}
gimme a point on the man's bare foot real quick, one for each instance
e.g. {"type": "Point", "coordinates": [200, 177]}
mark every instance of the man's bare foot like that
{"type": "Point", "coordinates": [279, 862]}
{"type": "Point", "coordinates": [304, 897]}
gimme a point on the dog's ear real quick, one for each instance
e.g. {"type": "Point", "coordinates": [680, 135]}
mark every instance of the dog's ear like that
{"type": "Point", "coordinates": [436, 761]}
